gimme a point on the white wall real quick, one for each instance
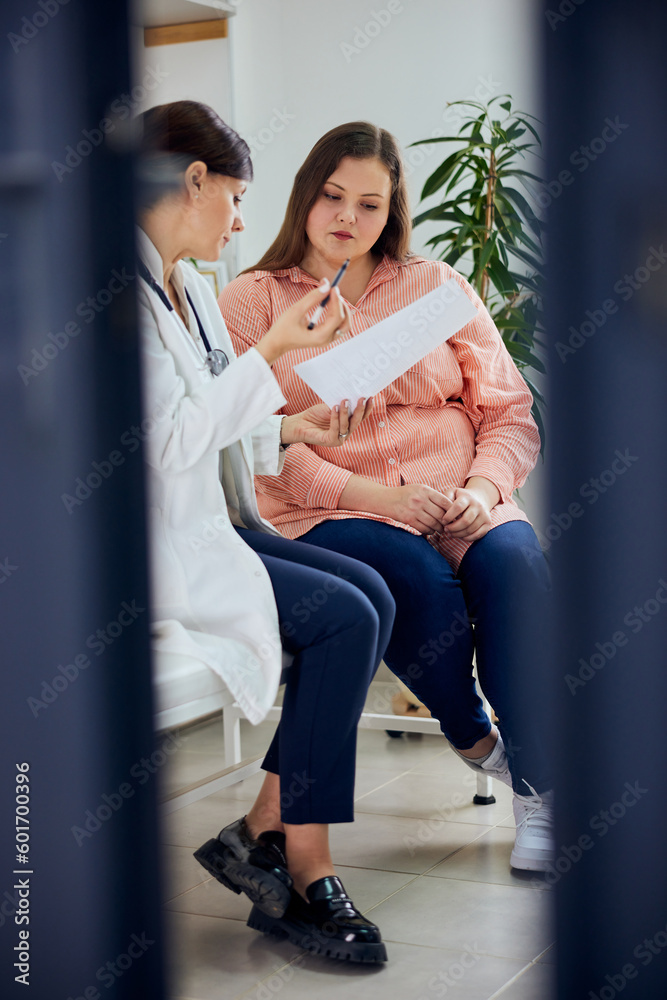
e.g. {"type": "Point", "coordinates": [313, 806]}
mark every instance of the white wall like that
{"type": "Point", "coordinates": [309, 59]}
{"type": "Point", "coordinates": [292, 69]}
{"type": "Point", "coordinates": [298, 57]}
{"type": "Point", "coordinates": [196, 71]}
{"type": "Point", "coordinates": [192, 71]}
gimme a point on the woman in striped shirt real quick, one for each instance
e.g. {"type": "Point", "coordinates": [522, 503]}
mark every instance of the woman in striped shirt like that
{"type": "Point", "coordinates": [423, 492]}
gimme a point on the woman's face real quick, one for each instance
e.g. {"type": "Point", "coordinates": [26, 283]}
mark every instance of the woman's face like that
{"type": "Point", "coordinates": [217, 203]}
{"type": "Point", "coordinates": [351, 210]}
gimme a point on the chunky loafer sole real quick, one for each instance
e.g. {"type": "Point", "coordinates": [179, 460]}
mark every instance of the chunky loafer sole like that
{"type": "Point", "coordinates": [312, 938]}
{"type": "Point", "coordinates": [264, 889]}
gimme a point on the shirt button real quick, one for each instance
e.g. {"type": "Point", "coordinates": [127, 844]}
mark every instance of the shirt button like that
{"type": "Point", "coordinates": [258, 572]}
{"type": "Point", "coordinates": [381, 423]}
{"type": "Point", "coordinates": [392, 461]}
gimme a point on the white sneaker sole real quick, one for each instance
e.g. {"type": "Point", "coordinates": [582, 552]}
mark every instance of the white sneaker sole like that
{"type": "Point", "coordinates": [531, 861]}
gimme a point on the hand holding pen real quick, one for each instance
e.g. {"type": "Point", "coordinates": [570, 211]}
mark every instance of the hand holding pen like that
{"type": "Point", "coordinates": [317, 315]}
{"type": "Point", "coordinates": [291, 332]}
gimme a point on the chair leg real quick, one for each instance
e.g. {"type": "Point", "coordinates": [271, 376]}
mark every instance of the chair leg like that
{"type": "Point", "coordinates": [231, 721]}
{"type": "Point", "coordinates": [484, 795]}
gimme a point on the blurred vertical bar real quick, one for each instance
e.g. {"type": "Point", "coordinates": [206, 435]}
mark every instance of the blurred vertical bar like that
{"type": "Point", "coordinates": [75, 701]}
{"type": "Point", "coordinates": [606, 97]}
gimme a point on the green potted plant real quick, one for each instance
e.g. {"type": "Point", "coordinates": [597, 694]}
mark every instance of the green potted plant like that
{"type": "Point", "coordinates": [491, 224]}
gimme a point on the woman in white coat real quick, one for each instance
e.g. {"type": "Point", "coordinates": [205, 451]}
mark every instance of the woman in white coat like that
{"type": "Point", "coordinates": [228, 589]}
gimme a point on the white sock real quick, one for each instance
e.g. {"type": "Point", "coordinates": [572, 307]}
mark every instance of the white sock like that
{"type": "Point", "coordinates": [495, 753]}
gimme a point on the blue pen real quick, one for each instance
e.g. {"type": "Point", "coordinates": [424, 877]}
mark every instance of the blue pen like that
{"type": "Point", "coordinates": [325, 302]}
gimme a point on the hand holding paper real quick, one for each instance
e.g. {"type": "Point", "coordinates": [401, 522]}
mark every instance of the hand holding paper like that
{"type": "Point", "coordinates": [372, 360]}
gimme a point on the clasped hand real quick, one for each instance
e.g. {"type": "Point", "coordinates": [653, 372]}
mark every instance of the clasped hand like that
{"type": "Point", "coordinates": [468, 516]}
{"type": "Point", "coordinates": [457, 512]}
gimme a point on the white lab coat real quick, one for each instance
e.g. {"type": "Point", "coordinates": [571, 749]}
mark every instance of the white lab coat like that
{"type": "Point", "coordinates": [212, 598]}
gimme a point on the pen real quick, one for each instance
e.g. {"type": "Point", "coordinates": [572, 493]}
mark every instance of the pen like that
{"type": "Point", "coordinates": [325, 302]}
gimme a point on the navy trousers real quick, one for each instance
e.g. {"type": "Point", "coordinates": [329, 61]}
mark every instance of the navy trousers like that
{"type": "Point", "coordinates": [336, 615]}
{"type": "Point", "coordinates": [502, 589]}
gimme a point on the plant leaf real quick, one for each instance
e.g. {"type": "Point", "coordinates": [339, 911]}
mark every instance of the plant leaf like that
{"type": "Point", "coordinates": [525, 356]}
{"type": "Point", "coordinates": [501, 277]}
{"type": "Point", "coordinates": [513, 244]}
{"type": "Point", "coordinates": [517, 172]}
{"type": "Point", "coordinates": [440, 175]}
{"type": "Point", "coordinates": [527, 258]}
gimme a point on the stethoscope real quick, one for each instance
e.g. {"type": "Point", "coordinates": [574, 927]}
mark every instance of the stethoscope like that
{"type": "Point", "coordinates": [216, 360]}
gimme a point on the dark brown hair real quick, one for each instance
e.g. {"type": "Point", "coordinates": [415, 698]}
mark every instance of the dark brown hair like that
{"type": "Point", "coordinates": [175, 135]}
{"type": "Point", "coordinates": [360, 140]}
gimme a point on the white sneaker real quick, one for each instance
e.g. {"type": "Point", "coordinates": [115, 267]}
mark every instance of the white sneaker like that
{"type": "Point", "coordinates": [534, 817]}
{"type": "Point", "coordinates": [495, 767]}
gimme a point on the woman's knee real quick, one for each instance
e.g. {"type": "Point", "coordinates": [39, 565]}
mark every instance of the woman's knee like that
{"type": "Point", "coordinates": [509, 555]}
{"type": "Point", "coordinates": [376, 589]}
{"type": "Point", "coordinates": [399, 557]}
{"type": "Point", "coordinates": [338, 607]}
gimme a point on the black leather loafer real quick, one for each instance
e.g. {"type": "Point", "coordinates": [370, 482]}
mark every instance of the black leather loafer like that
{"type": "Point", "coordinates": [256, 867]}
{"type": "Point", "coordinates": [328, 924]}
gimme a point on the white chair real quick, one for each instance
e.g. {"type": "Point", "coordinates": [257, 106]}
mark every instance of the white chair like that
{"type": "Point", "coordinates": [187, 690]}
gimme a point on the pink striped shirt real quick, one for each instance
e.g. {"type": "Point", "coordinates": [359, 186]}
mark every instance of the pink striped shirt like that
{"type": "Point", "coordinates": [463, 411]}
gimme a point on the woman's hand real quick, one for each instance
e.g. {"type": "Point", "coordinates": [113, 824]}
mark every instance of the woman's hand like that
{"type": "Point", "coordinates": [291, 329]}
{"type": "Point", "coordinates": [320, 425]}
{"type": "Point", "coordinates": [469, 516]}
{"type": "Point", "coordinates": [414, 504]}
{"type": "Point", "coordinates": [419, 506]}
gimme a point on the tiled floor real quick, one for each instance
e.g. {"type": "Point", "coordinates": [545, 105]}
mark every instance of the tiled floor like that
{"type": "Point", "coordinates": [428, 866]}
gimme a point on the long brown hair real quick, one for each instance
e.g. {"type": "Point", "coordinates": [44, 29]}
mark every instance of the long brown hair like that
{"type": "Point", "coordinates": [360, 140]}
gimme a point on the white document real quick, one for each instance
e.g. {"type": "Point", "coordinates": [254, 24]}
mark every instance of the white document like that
{"type": "Point", "coordinates": [369, 362]}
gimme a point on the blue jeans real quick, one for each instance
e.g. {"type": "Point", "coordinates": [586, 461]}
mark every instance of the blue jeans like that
{"type": "Point", "coordinates": [336, 616]}
{"type": "Point", "coordinates": [502, 589]}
